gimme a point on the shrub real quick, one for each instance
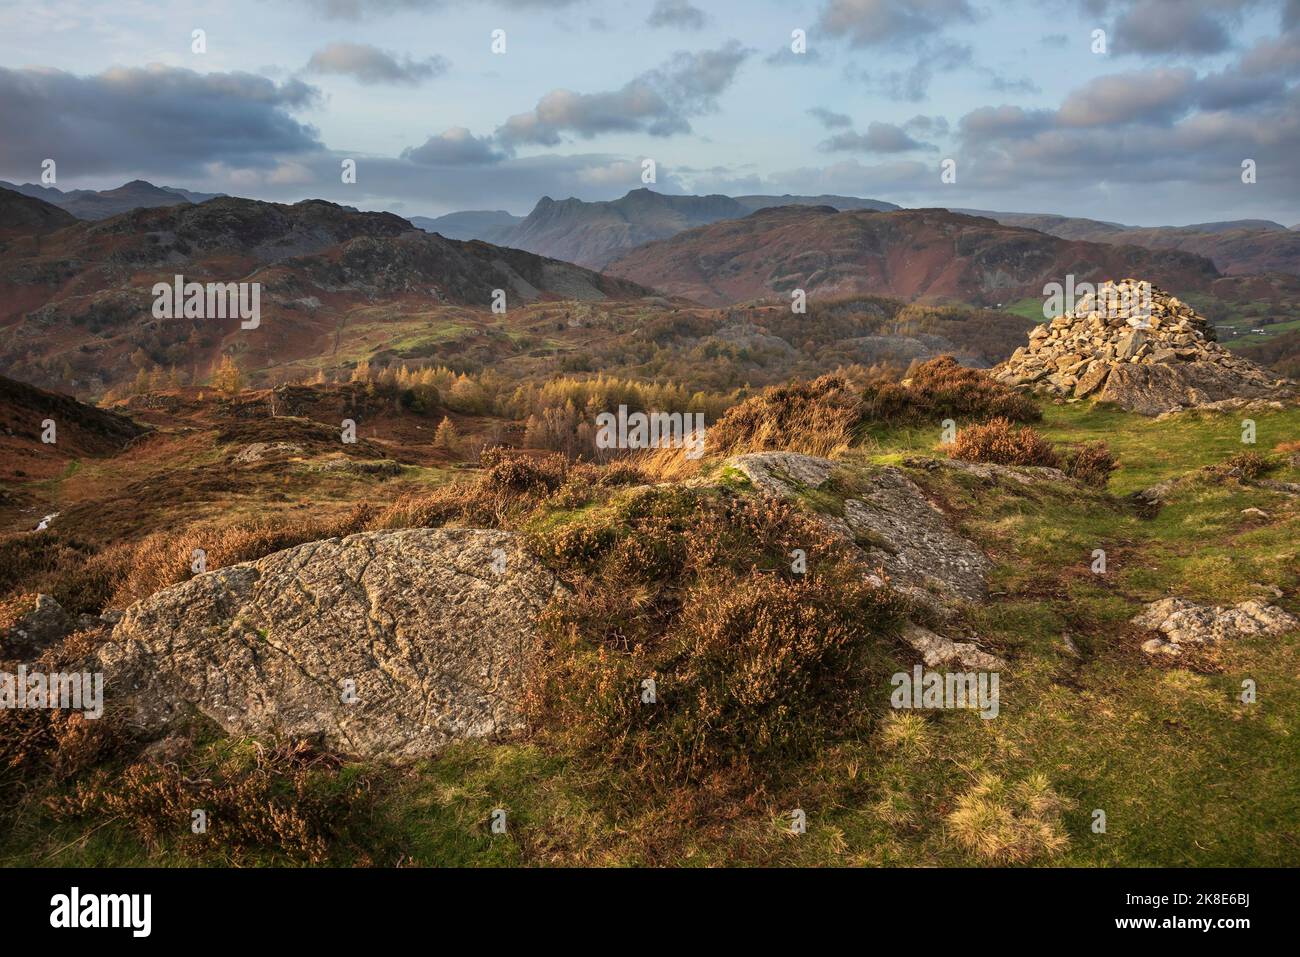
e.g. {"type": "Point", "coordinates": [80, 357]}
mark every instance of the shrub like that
{"type": "Point", "coordinates": [816, 418]}
{"type": "Point", "coordinates": [694, 590]}
{"type": "Point", "coordinates": [504, 471]}
{"type": "Point", "coordinates": [941, 388]}
{"type": "Point", "coordinates": [999, 443]}
{"type": "Point", "coordinates": [287, 799]}
{"type": "Point", "coordinates": [40, 562]}
{"type": "Point", "coordinates": [826, 415]}
{"type": "Point", "coordinates": [1090, 464]}
{"type": "Point", "coordinates": [165, 558]}
{"type": "Point", "coordinates": [52, 744]}
{"type": "Point", "coordinates": [1247, 466]}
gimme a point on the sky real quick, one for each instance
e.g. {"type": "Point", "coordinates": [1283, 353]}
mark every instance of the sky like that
{"type": "Point", "coordinates": [1146, 123]}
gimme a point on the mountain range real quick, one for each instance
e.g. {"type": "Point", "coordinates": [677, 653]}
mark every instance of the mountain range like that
{"type": "Point", "coordinates": [75, 303]}
{"type": "Point", "coordinates": [594, 234]}
{"type": "Point", "coordinates": [100, 204]}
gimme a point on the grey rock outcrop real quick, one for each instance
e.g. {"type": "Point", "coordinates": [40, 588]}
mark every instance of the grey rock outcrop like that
{"type": "Point", "coordinates": [889, 518]}
{"type": "Point", "coordinates": [1184, 623]}
{"type": "Point", "coordinates": [381, 643]}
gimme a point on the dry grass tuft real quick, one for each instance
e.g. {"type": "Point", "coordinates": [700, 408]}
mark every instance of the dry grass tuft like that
{"type": "Point", "coordinates": [941, 388]}
{"type": "Point", "coordinates": [1010, 824]}
{"type": "Point", "coordinates": [1246, 466]}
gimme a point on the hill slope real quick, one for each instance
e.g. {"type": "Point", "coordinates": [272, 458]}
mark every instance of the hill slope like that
{"type": "Point", "coordinates": [1237, 247]}
{"type": "Point", "coordinates": [22, 215]}
{"type": "Point", "coordinates": [928, 254]}
{"type": "Point", "coordinates": [80, 305]}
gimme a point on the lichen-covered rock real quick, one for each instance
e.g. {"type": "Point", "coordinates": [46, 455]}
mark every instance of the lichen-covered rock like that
{"type": "Point", "coordinates": [887, 516]}
{"type": "Point", "coordinates": [381, 643]}
{"type": "Point", "coordinates": [31, 623]}
{"type": "Point", "coordinates": [1183, 623]}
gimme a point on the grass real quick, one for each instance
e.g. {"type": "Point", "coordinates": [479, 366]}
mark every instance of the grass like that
{"type": "Point", "coordinates": [1185, 773]}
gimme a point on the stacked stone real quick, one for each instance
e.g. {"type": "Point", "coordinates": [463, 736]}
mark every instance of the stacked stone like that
{"type": "Point", "coordinates": [1122, 323]}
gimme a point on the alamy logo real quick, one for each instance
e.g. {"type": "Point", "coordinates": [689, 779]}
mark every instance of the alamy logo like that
{"type": "Point", "coordinates": [74, 691]}
{"type": "Point", "coordinates": [214, 300]}
{"type": "Point", "coordinates": [939, 690]}
{"type": "Point", "coordinates": [103, 910]}
{"type": "Point", "coordinates": [651, 430]}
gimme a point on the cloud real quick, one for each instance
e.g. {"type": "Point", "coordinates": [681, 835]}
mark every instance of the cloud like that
{"type": "Point", "coordinates": [787, 57]}
{"type": "Point", "coordinates": [1167, 132]}
{"type": "Point", "coordinates": [676, 13]}
{"type": "Point", "coordinates": [997, 123]}
{"type": "Point", "coordinates": [365, 9]}
{"type": "Point", "coordinates": [156, 119]}
{"type": "Point", "coordinates": [415, 188]}
{"type": "Point", "coordinates": [1147, 96]}
{"type": "Point", "coordinates": [912, 84]}
{"type": "Point", "coordinates": [830, 119]}
{"type": "Point", "coordinates": [454, 147]}
{"type": "Point", "coordinates": [1168, 26]}
{"type": "Point", "coordinates": [928, 125]}
{"type": "Point", "coordinates": [1004, 84]}
{"type": "Point", "coordinates": [1232, 89]}
{"type": "Point", "coordinates": [1279, 56]}
{"type": "Point", "coordinates": [371, 65]}
{"type": "Point", "coordinates": [659, 102]}
{"type": "Point", "coordinates": [879, 138]}
{"type": "Point", "coordinates": [868, 23]}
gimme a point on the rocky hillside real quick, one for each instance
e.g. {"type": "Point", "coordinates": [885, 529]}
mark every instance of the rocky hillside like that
{"type": "Point", "coordinates": [1147, 352]}
{"type": "Point", "coordinates": [1236, 247]}
{"type": "Point", "coordinates": [85, 292]}
{"type": "Point", "coordinates": [927, 254]}
{"type": "Point", "coordinates": [376, 664]}
{"type": "Point", "coordinates": [591, 234]}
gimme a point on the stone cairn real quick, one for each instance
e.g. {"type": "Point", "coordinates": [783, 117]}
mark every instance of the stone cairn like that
{"type": "Point", "coordinates": [1133, 323]}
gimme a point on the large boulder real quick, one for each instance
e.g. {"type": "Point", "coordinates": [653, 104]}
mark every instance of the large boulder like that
{"type": "Point", "coordinates": [1155, 389]}
{"type": "Point", "coordinates": [381, 643]}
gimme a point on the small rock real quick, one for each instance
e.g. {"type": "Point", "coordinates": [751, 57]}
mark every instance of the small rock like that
{"type": "Point", "coordinates": [1184, 622]}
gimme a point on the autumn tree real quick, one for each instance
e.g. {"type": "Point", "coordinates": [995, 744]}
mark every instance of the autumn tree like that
{"type": "Point", "coordinates": [445, 437]}
{"type": "Point", "coordinates": [228, 380]}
